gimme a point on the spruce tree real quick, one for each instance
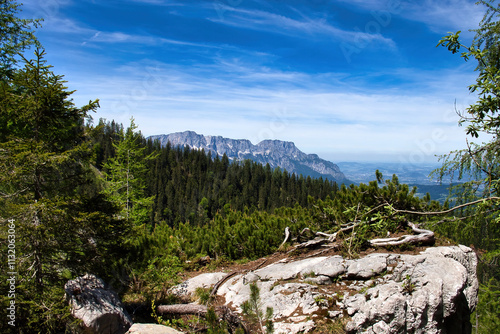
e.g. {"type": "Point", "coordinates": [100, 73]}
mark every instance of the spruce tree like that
{"type": "Point", "coordinates": [48, 190]}
{"type": "Point", "coordinates": [124, 176]}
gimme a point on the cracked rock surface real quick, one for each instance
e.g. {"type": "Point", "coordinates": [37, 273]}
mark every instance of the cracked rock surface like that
{"type": "Point", "coordinates": [432, 292]}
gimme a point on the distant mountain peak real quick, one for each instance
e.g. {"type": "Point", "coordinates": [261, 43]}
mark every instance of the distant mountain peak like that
{"type": "Point", "coordinates": [276, 153]}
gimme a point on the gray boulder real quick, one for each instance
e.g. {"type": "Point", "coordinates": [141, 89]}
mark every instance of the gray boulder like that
{"type": "Point", "coordinates": [368, 266]}
{"type": "Point", "coordinates": [98, 307]}
{"type": "Point", "coordinates": [433, 292]}
{"type": "Point", "coordinates": [186, 290]}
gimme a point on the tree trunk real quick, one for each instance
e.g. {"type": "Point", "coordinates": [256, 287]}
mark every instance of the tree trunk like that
{"type": "Point", "coordinates": [222, 312]}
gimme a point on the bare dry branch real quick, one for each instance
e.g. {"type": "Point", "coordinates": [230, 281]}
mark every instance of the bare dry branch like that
{"type": "Point", "coordinates": [422, 237]}
{"type": "Point", "coordinates": [287, 236]}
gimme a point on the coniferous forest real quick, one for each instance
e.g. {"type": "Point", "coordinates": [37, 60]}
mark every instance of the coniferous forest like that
{"type": "Point", "coordinates": [81, 196]}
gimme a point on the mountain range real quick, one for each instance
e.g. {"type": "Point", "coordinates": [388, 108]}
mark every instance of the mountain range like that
{"type": "Point", "coordinates": [276, 153]}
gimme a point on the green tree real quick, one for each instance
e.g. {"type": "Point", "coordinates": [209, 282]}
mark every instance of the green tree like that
{"type": "Point", "coordinates": [48, 188]}
{"type": "Point", "coordinates": [125, 177]}
{"type": "Point", "coordinates": [16, 35]}
{"type": "Point", "coordinates": [479, 164]}
{"type": "Point", "coordinates": [252, 309]}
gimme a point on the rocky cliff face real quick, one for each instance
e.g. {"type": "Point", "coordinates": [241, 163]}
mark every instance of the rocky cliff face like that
{"type": "Point", "coordinates": [432, 292]}
{"type": "Point", "coordinates": [274, 152]}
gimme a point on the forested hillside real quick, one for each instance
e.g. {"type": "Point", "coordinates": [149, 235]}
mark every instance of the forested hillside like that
{"type": "Point", "coordinates": [189, 185]}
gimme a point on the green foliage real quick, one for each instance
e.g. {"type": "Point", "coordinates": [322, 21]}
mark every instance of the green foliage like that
{"type": "Point", "coordinates": [373, 209]}
{"type": "Point", "coordinates": [16, 35]}
{"type": "Point", "coordinates": [408, 285]}
{"type": "Point", "coordinates": [252, 309]}
{"type": "Point", "coordinates": [479, 164]}
{"type": "Point", "coordinates": [161, 273]}
{"type": "Point", "coordinates": [63, 227]}
{"type": "Point", "coordinates": [190, 185]}
{"type": "Point", "coordinates": [215, 326]}
{"type": "Point", "coordinates": [488, 308]}
{"type": "Point", "coordinates": [203, 295]}
{"type": "Point", "coordinates": [125, 175]}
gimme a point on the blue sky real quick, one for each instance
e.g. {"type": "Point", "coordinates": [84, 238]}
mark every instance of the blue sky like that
{"type": "Point", "coordinates": [350, 80]}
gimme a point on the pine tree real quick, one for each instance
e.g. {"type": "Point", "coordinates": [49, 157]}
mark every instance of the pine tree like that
{"type": "Point", "coordinates": [479, 164]}
{"type": "Point", "coordinates": [16, 35]}
{"type": "Point", "coordinates": [48, 189]}
{"type": "Point", "coordinates": [125, 174]}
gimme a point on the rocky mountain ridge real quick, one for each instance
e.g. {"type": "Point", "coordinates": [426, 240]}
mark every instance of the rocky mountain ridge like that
{"type": "Point", "coordinates": [276, 153]}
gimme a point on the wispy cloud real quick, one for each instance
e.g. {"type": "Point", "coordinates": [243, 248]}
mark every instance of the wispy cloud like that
{"type": "Point", "coordinates": [268, 70]}
{"type": "Point", "coordinates": [439, 15]}
{"type": "Point", "coordinates": [319, 116]}
{"type": "Point", "coordinates": [121, 37]}
{"type": "Point", "coordinates": [160, 2]}
{"type": "Point", "coordinates": [445, 15]}
{"type": "Point", "coordinates": [306, 27]}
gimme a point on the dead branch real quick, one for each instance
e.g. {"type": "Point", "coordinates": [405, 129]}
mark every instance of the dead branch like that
{"type": "Point", "coordinates": [321, 237]}
{"type": "Point", "coordinates": [287, 236]}
{"type": "Point", "coordinates": [231, 274]}
{"type": "Point", "coordinates": [310, 244]}
{"type": "Point", "coordinates": [221, 281]}
{"type": "Point", "coordinates": [183, 309]}
{"type": "Point", "coordinates": [422, 237]}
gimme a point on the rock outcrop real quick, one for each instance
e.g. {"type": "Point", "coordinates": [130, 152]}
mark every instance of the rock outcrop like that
{"type": "Point", "coordinates": [98, 307]}
{"type": "Point", "coordinates": [432, 292]}
{"type": "Point", "coordinates": [101, 311]}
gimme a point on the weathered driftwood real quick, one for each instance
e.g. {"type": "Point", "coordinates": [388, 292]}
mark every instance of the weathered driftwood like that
{"type": "Point", "coordinates": [183, 309]}
{"type": "Point", "coordinates": [287, 236]}
{"type": "Point", "coordinates": [310, 244]}
{"type": "Point", "coordinates": [422, 237]}
{"type": "Point", "coordinates": [320, 239]}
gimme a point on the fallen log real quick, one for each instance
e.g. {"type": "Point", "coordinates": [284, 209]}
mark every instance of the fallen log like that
{"type": "Point", "coordinates": [231, 274]}
{"type": "Point", "coordinates": [222, 312]}
{"type": "Point", "coordinates": [182, 309]}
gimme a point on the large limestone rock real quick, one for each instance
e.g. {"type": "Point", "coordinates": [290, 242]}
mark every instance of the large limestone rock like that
{"type": "Point", "coordinates": [432, 292]}
{"type": "Point", "coordinates": [186, 290]}
{"type": "Point", "coordinates": [98, 307]}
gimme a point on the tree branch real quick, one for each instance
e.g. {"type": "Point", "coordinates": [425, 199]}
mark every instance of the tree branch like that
{"type": "Point", "coordinates": [422, 236]}
{"type": "Point", "coordinates": [427, 213]}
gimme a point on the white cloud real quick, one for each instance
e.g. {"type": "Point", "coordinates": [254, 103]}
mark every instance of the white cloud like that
{"type": "Point", "coordinates": [441, 16]}
{"type": "Point", "coordinates": [308, 27]}
{"type": "Point", "coordinates": [233, 95]}
{"type": "Point", "coordinates": [445, 15]}
{"type": "Point", "coordinates": [165, 98]}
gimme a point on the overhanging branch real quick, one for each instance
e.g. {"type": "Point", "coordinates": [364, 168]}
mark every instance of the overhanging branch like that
{"type": "Point", "coordinates": [430, 213]}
